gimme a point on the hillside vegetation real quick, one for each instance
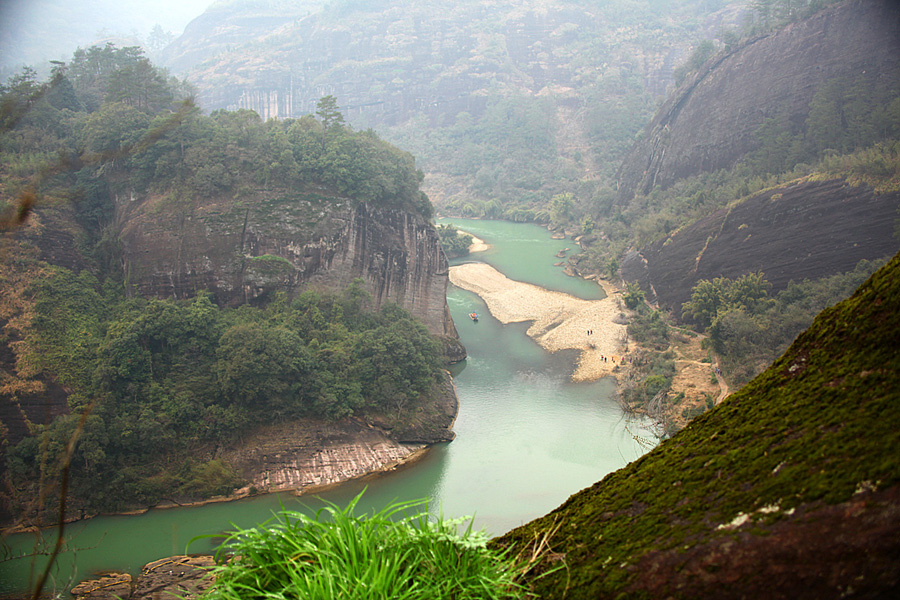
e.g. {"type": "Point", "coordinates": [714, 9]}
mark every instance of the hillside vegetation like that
{"type": "Point", "coordinates": [780, 488]}
{"type": "Point", "coordinates": [505, 104]}
{"type": "Point", "coordinates": [774, 160]}
{"type": "Point", "coordinates": [147, 381]}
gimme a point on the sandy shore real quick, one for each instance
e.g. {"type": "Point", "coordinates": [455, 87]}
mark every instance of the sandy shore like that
{"type": "Point", "coordinates": [560, 321]}
{"type": "Point", "coordinates": [477, 245]}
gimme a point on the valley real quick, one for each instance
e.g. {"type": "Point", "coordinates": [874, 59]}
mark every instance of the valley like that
{"type": "Point", "coordinates": [234, 269]}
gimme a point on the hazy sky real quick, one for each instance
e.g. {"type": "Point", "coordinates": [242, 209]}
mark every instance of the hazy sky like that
{"type": "Point", "coordinates": [34, 31]}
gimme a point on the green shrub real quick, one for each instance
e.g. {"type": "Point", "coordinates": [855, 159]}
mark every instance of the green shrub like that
{"type": "Point", "coordinates": [400, 551]}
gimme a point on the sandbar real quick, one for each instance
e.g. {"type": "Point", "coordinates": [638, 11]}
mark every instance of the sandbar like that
{"type": "Point", "coordinates": [559, 321]}
{"type": "Point", "coordinates": [478, 244]}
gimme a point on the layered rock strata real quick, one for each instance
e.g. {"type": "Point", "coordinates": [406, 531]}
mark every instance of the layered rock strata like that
{"type": "Point", "coordinates": [308, 454]}
{"type": "Point", "coordinates": [245, 251]}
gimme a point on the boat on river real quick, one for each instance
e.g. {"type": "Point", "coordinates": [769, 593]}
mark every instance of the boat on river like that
{"type": "Point", "coordinates": [473, 316]}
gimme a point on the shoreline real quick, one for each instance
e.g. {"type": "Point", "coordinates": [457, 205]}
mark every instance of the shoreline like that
{"type": "Point", "coordinates": [299, 458]}
{"type": "Point", "coordinates": [416, 454]}
{"type": "Point", "coordinates": [559, 321]}
{"type": "Point", "coordinates": [477, 245]}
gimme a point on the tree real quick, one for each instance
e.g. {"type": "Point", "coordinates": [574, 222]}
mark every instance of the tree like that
{"type": "Point", "coordinates": [454, 242]}
{"type": "Point", "coordinates": [263, 368]}
{"type": "Point", "coordinates": [633, 295]}
{"type": "Point", "coordinates": [612, 268]}
{"type": "Point", "coordinates": [329, 115]}
{"type": "Point", "coordinates": [159, 38]}
{"type": "Point", "coordinates": [706, 298]}
{"type": "Point", "coordinates": [561, 207]}
{"type": "Point", "coordinates": [710, 299]}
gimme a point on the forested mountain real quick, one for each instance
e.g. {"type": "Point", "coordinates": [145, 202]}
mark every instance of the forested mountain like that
{"type": "Point", "coordinates": [504, 104]}
{"type": "Point", "coordinates": [169, 280]}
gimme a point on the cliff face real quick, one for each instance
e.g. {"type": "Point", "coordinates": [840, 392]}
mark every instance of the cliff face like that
{"type": "Point", "coordinates": [711, 121]}
{"type": "Point", "coordinates": [242, 251]}
{"type": "Point", "coordinates": [802, 230]}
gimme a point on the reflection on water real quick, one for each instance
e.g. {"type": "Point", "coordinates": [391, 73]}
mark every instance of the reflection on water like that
{"type": "Point", "coordinates": [526, 438]}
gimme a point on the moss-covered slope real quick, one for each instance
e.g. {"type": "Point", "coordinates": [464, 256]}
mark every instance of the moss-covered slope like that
{"type": "Point", "coordinates": [787, 489]}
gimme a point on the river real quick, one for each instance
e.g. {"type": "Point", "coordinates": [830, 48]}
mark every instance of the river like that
{"type": "Point", "coordinates": [527, 437]}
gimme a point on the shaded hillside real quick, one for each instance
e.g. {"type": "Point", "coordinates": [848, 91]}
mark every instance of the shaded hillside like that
{"type": "Point", "coordinates": [807, 229]}
{"type": "Point", "coordinates": [788, 489]}
{"type": "Point", "coordinates": [715, 118]}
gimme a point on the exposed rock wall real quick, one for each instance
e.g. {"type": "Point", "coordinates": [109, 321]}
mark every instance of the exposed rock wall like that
{"type": "Point", "coordinates": [244, 251]}
{"type": "Point", "coordinates": [806, 229]}
{"type": "Point", "coordinates": [184, 577]}
{"type": "Point", "coordinates": [308, 454]}
{"type": "Point", "coordinates": [711, 121]}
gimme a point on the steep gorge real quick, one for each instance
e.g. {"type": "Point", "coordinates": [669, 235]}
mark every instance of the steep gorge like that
{"type": "Point", "coordinates": [810, 227]}
{"type": "Point", "coordinates": [244, 253]}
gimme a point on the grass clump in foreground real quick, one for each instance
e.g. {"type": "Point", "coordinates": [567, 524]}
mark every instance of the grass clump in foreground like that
{"type": "Point", "coordinates": [399, 552]}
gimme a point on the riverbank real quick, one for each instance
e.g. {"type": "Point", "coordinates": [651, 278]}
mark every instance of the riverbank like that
{"type": "Point", "coordinates": [478, 244]}
{"type": "Point", "coordinates": [308, 456]}
{"type": "Point", "coordinates": [559, 321]}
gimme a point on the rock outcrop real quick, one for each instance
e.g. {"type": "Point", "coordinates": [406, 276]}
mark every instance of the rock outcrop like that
{"type": "Point", "coordinates": [308, 454]}
{"type": "Point", "coordinates": [711, 121]}
{"type": "Point", "coordinates": [243, 251]}
{"type": "Point", "coordinates": [184, 577]}
{"type": "Point", "coordinates": [802, 230]}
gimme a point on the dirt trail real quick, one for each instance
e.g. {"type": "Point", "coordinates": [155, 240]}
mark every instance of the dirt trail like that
{"type": "Point", "coordinates": [695, 376]}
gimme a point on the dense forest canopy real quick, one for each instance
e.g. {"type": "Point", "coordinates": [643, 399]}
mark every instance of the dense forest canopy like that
{"type": "Point", "coordinates": [110, 108]}
{"type": "Point", "coordinates": [164, 378]}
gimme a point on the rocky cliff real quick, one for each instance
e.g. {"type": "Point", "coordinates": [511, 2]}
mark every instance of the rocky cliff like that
{"type": "Point", "coordinates": [245, 250]}
{"type": "Point", "coordinates": [711, 121]}
{"type": "Point", "coordinates": [806, 229]}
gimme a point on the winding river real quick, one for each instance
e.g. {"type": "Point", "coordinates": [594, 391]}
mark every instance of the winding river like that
{"type": "Point", "coordinates": [527, 437]}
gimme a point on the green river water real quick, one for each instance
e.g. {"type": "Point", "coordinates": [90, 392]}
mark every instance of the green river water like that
{"type": "Point", "coordinates": [526, 438]}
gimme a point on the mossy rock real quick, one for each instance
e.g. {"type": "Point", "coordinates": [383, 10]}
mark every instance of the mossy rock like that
{"type": "Point", "coordinates": [789, 488]}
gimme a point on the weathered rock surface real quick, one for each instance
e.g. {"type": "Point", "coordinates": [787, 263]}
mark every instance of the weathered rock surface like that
{"type": "Point", "coordinates": [711, 121]}
{"type": "Point", "coordinates": [802, 230]}
{"type": "Point", "coordinates": [789, 488]}
{"type": "Point", "coordinates": [243, 252]}
{"type": "Point", "coordinates": [184, 577]}
{"type": "Point", "coordinates": [308, 454]}
{"type": "Point", "coordinates": [286, 459]}
{"type": "Point", "coordinates": [848, 550]}
{"type": "Point", "coordinates": [48, 235]}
